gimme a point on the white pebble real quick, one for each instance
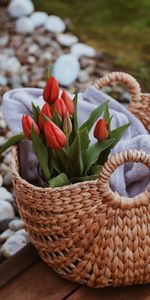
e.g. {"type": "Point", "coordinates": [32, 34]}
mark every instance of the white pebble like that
{"type": "Point", "coordinates": [1, 180]}
{"type": "Point", "coordinates": [2, 124]}
{"type": "Point", "coordinates": [83, 76]}
{"type": "Point", "coordinates": [6, 210]}
{"type": "Point", "coordinates": [31, 59]}
{"type": "Point", "coordinates": [7, 158]}
{"type": "Point", "coordinates": [3, 80]}
{"type": "Point", "coordinates": [5, 195]}
{"type": "Point", "coordinates": [13, 245]}
{"type": "Point", "coordinates": [66, 69]}
{"type": "Point", "coordinates": [2, 140]}
{"type": "Point", "coordinates": [8, 178]}
{"type": "Point", "coordinates": [16, 224]}
{"type": "Point", "coordinates": [24, 233]}
{"type": "Point", "coordinates": [20, 8]}
{"type": "Point", "coordinates": [33, 48]}
{"type": "Point", "coordinates": [3, 168]}
{"type": "Point", "coordinates": [4, 39]}
{"type": "Point", "coordinates": [55, 24]}
{"type": "Point", "coordinates": [6, 234]}
{"type": "Point", "coordinates": [67, 39]}
{"type": "Point", "coordinates": [11, 64]}
{"type": "Point", "coordinates": [46, 56]}
{"type": "Point", "coordinates": [80, 49]}
{"type": "Point", "coordinates": [24, 25]}
{"type": "Point", "coordinates": [38, 18]}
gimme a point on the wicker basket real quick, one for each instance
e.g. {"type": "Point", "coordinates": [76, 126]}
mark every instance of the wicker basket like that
{"type": "Point", "coordinates": [86, 232]}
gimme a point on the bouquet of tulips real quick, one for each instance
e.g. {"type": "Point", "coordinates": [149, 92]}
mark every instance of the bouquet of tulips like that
{"type": "Point", "coordinates": [62, 148]}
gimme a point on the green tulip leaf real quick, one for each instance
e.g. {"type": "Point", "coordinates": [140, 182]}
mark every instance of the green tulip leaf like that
{"type": "Point", "coordinates": [92, 153]}
{"type": "Point", "coordinates": [41, 153]}
{"type": "Point", "coordinates": [74, 120]}
{"type": "Point", "coordinates": [12, 141]}
{"type": "Point", "coordinates": [75, 161]}
{"type": "Point", "coordinates": [117, 133]}
{"type": "Point", "coordinates": [54, 160]}
{"type": "Point", "coordinates": [50, 158]}
{"type": "Point", "coordinates": [63, 157]}
{"type": "Point", "coordinates": [84, 178]}
{"type": "Point", "coordinates": [59, 180]}
{"type": "Point", "coordinates": [84, 139]}
{"type": "Point", "coordinates": [96, 169]}
{"type": "Point", "coordinates": [36, 111]}
{"type": "Point", "coordinates": [95, 114]}
{"type": "Point", "coordinates": [57, 119]}
{"type": "Point", "coordinates": [106, 114]}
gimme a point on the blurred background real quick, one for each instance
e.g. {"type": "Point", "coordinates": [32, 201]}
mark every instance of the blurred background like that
{"type": "Point", "coordinates": [119, 29]}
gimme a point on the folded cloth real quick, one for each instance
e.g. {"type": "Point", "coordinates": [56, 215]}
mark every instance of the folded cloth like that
{"type": "Point", "coordinates": [127, 180]}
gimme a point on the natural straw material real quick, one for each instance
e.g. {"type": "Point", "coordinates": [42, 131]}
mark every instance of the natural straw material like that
{"type": "Point", "coordinates": [140, 103]}
{"type": "Point", "coordinates": [86, 232]}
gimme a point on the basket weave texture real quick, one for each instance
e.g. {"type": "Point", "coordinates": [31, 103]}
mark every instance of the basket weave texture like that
{"type": "Point", "coordinates": [86, 232]}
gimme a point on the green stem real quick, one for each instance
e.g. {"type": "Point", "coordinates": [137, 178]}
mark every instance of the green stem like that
{"type": "Point", "coordinates": [12, 141]}
{"type": "Point", "coordinates": [48, 72]}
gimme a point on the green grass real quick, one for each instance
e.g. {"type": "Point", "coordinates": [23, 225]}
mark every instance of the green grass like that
{"type": "Point", "coordinates": [120, 29]}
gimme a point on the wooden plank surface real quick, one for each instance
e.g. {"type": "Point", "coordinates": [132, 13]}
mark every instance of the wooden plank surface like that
{"type": "Point", "coordinates": [40, 283]}
{"type": "Point", "coordinates": [16, 264]}
{"type": "Point", "coordinates": [137, 292]}
{"type": "Point", "coordinates": [37, 283]}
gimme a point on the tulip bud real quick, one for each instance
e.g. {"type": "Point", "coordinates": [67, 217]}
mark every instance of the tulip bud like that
{"type": "Point", "coordinates": [51, 90]}
{"type": "Point", "coordinates": [60, 108]}
{"type": "Point", "coordinates": [101, 131]}
{"type": "Point", "coordinates": [67, 125]}
{"type": "Point", "coordinates": [68, 102]}
{"type": "Point", "coordinates": [55, 137]}
{"type": "Point", "coordinates": [47, 111]}
{"type": "Point", "coordinates": [27, 123]}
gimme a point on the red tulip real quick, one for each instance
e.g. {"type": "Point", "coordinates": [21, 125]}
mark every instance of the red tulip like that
{"type": "Point", "coordinates": [60, 107]}
{"type": "Point", "coordinates": [47, 111]}
{"type": "Point", "coordinates": [55, 137]}
{"type": "Point", "coordinates": [51, 90]}
{"type": "Point", "coordinates": [27, 123]}
{"type": "Point", "coordinates": [101, 130]}
{"type": "Point", "coordinates": [68, 102]}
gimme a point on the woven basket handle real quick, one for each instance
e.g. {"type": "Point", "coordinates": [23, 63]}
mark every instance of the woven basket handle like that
{"type": "Point", "coordinates": [110, 166]}
{"type": "Point", "coordinates": [124, 78]}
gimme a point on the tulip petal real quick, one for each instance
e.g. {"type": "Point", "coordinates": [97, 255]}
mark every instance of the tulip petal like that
{"type": "Point", "coordinates": [101, 131]}
{"type": "Point", "coordinates": [55, 137]}
{"type": "Point", "coordinates": [68, 102]}
{"type": "Point", "coordinates": [60, 108]}
{"type": "Point", "coordinates": [51, 90]}
{"type": "Point", "coordinates": [27, 123]}
{"type": "Point", "coordinates": [45, 111]}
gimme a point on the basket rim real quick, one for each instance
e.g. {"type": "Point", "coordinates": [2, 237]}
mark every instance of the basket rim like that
{"type": "Point", "coordinates": [101, 183]}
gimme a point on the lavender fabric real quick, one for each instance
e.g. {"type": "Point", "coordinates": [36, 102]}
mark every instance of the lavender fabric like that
{"type": "Point", "coordinates": [127, 180]}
